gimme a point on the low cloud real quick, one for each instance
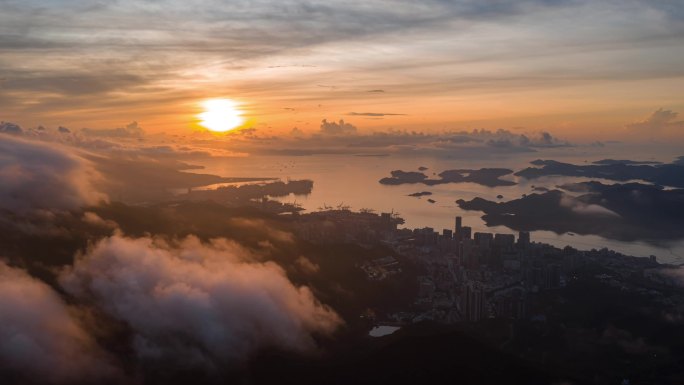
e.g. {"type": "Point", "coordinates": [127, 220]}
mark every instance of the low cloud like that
{"type": "Point", "coordinates": [373, 114]}
{"type": "Point", "coordinates": [132, 130]}
{"type": "Point", "coordinates": [675, 276]}
{"type": "Point", "coordinates": [659, 120]}
{"type": "Point", "coordinates": [10, 128]}
{"type": "Point", "coordinates": [337, 128]}
{"type": "Point", "coordinates": [260, 226]}
{"type": "Point", "coordinates": [306, 266]}
{"type": "Point", "coordinates": [35, 176]}
{"type": "Point", "coordinates": [40, 339]}
{"type": "Point", "coordinates": [586, 209]}
{"type": "Point", "coordinates": [507, 139]}
{"type": "Point", "coordinates": [197, 304]}
{"type": "Point", "coordinates": [629, 343]}
{"type": "Point", "coordinates": [93, 219]}
{"type": "Point", "coordinates": [344, 138]}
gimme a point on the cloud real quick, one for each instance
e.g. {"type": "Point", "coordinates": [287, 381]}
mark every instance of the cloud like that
{"type": "Point", "coordinates": [40, 339]}
{"type": "Point", "coordinates": [306, 266]}
{"type": "Point", "coordinates": [341, 128]}
{"type": "Point", "coordinates": [260, 226]}
{"type": "Point", "coordinates": [675, 275]}
{"type": "Point", "coordinates": [66, 64]}
{"type": "Point", "coordinates": [37, 176]}
{"type": "Point", "coordinates": [541, 139]}
{"type": "Point", "coordinates": [451, 144]}
{"type": "Point", "coordinates": [197, 304]}
{"type": "Point", "coordinates": [132, 130]}
{"type": "Point", "coordinates": [629, 343]}
{"type": "Point", "coordinates": [545, 139]}
{"type": "Point", "coordinates": [10, 128]}
{"type": "Point", "coordinates": [93, 219]}
{"type": "Point", "coordinates": [586, 209]}
{"type": "Point", "coordinates": [659, 120]}
{"type": "Point", "coordinates": [373, 114]}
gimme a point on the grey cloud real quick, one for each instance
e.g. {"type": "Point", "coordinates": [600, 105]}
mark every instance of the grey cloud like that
{"type": "Point", "coordinates": [586, 209]}
{"type": "Point", "coordinates": [93, 219]}
{"type": "Point", "coordinates": [629, 343]}
{"type": "Point", "coordinates": [525, 142]}
{"type": "Point", "coordinates": [40, 339]}
{"type": "Point", "coordinates": [466, 144]}
{"type": "Point", "coordinates": [70, 83]}
{"type": "Point", "coordinates": [337, 128]}
{"type": "Point", "coordinates": [240, 33]}
{"type": "Point", "coordinates": [36, 176]}
{"type": "Point", "coordinates": [658, 121]}
{"type": "Point", "coordinates": [10, 128]}
{"type": "Point", "coordinates": [130, 130]}
{"type": "Point", "coordinates": [197, 304]}
{"type": "Point", "coordinates": [286, 23]}
{"type": "Point", "coordinates": [373, 114]}
{"type": "Point", "coordinates": [543, 139]}
{"type": "Point", "coordinates": [506, 143]}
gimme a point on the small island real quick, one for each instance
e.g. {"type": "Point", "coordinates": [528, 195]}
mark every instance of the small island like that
{"type": "Point", "coordinates": [489, 177]}
{"type": "Point", "coordinates": [420, 194]}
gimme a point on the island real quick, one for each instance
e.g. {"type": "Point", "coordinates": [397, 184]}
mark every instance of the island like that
{"type": "Point", "coordinates": [420, 194]}
{"type": "Point", "coordinates": [624, 161]}
{"type": "Point", "coordinates": [489, 177]}
{"type": "Point", "coordinates": [254, 194]}
{"type": "Point", "coordinates": [626, 212]}
{"type": "Point", "coordinates": [671, 174]}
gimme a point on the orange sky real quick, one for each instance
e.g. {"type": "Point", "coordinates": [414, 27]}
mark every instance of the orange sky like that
{"type": "Point", "coordinates": [581, 70]}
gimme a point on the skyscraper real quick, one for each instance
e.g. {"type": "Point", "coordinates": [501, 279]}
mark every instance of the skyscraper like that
{"type": "Point", "coordinates": [523, 239]}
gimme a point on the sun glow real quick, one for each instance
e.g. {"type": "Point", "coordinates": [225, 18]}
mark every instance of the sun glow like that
{"type": "Point", "coordinates": [220, 115]}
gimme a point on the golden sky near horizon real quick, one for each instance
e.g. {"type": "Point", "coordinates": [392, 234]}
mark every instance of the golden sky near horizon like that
{"type": "Point", "coordinates": [579, 69]}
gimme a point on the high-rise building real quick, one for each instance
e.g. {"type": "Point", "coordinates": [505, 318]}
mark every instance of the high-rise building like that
{"type": "Point", "coordinates": [458, 229]}
{"type": "Point", "coordinates": [504, 240]}
{"type": "Point", "coordinates": [466, 232]}
{"type": "Point", "coordinates": [484, 240]}
{"type": "Point", "coordinates": [524, 238]}
{"type": "Point", "coordinates": [473, 302]}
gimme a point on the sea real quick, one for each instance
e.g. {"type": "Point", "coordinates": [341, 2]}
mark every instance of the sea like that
{"type": "Point", "coordinates": [351, 181]}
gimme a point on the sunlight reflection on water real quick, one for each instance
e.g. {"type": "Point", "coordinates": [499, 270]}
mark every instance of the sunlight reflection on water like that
{"type": "Point", "coordinates": [353, 181]}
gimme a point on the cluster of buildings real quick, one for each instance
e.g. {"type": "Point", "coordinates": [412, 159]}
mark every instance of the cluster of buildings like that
{"type": "Point", "coordinates": [474, 276]}
{"type": "Point", "coordinates": [465, 275]}
{"type": "Point", "coordinates": [470, 276]}
{"type": "Point", "coordinates": [343, 225]}
{"type": "Point", "coordinates": [381, 268]}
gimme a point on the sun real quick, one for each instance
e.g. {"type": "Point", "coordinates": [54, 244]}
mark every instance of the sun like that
{"type": "Point", "coordinates": [220, 115]}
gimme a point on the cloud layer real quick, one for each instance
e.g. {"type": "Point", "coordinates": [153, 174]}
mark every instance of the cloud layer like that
{"type": "Point", "coordinates": [440, 61]}
{"type": "Point", "coordinates": [37, 176]}
{"type": "Point", "coordinates": [197, 304]}
{"type": "Point", "coordinates": [40, 338]}
{"type": "Point", "coordinates": [659, 121]}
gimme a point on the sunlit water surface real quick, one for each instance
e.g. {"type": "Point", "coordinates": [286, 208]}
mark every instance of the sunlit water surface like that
{"type": "Point", "coordinates": [351, 180]}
